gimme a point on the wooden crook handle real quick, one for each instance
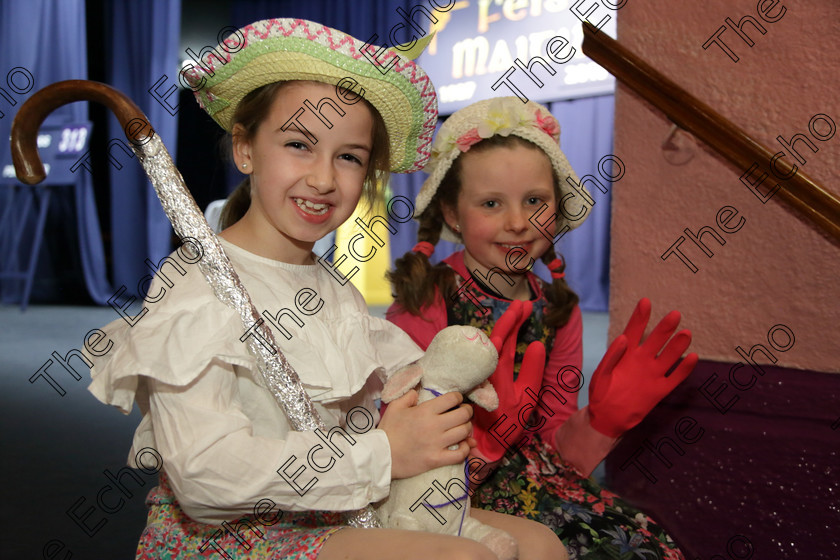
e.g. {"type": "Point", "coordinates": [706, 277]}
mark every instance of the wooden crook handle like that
{"type": "Point", "coordinates": [27, 161]}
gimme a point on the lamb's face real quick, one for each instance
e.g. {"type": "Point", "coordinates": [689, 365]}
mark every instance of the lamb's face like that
{"type": "Point", "coordinates": [458, 359]}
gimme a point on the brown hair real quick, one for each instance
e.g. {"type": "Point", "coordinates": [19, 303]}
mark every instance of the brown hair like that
{"type": "Point", "coordinates": [254, 108]}
{"type": "Point", "coordinates": [416, 282]}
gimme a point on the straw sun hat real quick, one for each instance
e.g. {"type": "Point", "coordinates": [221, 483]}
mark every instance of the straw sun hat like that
{"type": "Point", "coordinates": [503, 116]}
{"type": "Point", "coordinates": [281, 49]}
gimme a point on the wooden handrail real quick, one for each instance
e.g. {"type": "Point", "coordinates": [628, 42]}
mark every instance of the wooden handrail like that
{"type": "Point", "coordinates": [800, 192]}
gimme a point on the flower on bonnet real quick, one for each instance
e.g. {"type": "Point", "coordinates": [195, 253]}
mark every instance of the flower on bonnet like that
{"type": "Point", "coordinates": [549, 125]}
{"type": "Point", "coordinates": [502, 118]}
{"type": "Point", "coordinates": [471, 137]}
{"type": "Point", "coordinates": [442, 145]}
{"type": "Point", "coordinates": [499, 120]}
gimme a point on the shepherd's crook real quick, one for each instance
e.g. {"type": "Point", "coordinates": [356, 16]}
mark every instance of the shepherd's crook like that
{"type": "Point", "coordinates": [188, 221]}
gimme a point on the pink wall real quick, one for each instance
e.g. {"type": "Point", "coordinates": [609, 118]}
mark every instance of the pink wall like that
{"type": "Point", "coordinates": [775, 269]}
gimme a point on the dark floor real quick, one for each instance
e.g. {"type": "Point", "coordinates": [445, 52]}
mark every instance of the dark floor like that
{"type": "Point", "coordinates": [56, 449]}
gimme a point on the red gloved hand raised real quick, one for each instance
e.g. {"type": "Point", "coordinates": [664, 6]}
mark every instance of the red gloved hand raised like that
{"type": "Point", "coordinates": [631, 380]}
{"type": "Point", "coordinates": [511, 393]}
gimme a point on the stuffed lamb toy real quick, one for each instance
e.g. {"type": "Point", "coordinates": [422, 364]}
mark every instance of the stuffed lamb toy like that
{"type": "Point", "coordinates": [459, 358]}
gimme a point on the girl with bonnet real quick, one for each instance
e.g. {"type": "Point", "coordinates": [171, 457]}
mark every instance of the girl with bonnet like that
{"type": "Point", "coordinates": [497, 172]}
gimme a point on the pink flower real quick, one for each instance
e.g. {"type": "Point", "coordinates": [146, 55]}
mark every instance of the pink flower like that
{"type": "Point", "coordinates": [608, 494]}
{"type": "Point", "coordinates": [549, 125]}
{"type": "Point", "coordinates": [468, 139]}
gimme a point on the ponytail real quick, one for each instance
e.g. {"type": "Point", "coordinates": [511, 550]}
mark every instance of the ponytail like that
{"type": "Point", "coordinates": [237, 204]}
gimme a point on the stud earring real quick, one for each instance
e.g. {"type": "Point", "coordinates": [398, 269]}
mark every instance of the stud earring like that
{"type": "Point", "coordinates": [244, 166]}
{"type": "Point", "coordinates": [457, 228]}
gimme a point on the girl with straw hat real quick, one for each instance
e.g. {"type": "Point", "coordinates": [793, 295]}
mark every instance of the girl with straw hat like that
{"type": "Point", "coordinates": [315, 127]}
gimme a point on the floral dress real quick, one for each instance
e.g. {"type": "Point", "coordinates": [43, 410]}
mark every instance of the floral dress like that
{"type": "Point", "coordinates": [534, 481]}
{"type": "Point", "coordinates": [171, 535]}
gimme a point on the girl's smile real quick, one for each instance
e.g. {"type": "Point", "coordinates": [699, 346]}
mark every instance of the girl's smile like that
{"type": "Point", "coordinates": [312, 211]}
{"type": "Point", "coordinates": [306, 177]}
{"type": "Point", "coordinates": [527, 245]}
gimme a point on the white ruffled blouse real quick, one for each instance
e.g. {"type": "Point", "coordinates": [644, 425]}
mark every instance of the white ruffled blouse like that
{"type": "Point", "coordinates": [206, 411]}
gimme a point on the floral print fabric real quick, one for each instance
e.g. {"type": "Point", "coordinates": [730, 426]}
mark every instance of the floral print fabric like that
{"type": "Point", "coordinates": [592, 522]}
{"type": "Point", "coordinates": [171, 535]}
{"type": "Point", "coordinates": [535, 482]}
{"type": "Point", "coordinates": [464, 311]}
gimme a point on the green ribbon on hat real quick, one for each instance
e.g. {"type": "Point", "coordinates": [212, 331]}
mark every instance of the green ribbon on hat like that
{"type": "Point", "coordinates": [415, 51]}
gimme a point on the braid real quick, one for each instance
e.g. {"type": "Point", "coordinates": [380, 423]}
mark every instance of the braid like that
{"type": "Point", "coordinates": [414, 281]}
{"type": "Point", "coordinates": [561, 298]}
{"type": "Point", "coordinates": [430, 225]}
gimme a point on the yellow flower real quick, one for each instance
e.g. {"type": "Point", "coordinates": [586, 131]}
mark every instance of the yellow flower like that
{"type": "Point", "coordinates": [442, 146]}
{"type": "Point", "coordinates": [529, 499]}
{"type": "Point", "coordinates": [496, 122]}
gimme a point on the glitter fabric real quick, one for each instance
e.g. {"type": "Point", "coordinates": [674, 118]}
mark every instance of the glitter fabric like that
{"type": "Point", "coordinates": [188, 221]}
{"type": "Point", "coordinates": [760, 481]}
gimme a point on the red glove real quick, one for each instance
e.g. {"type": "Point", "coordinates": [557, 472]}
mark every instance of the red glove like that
{"type": "Point", "coordinates": [493, 441]}
{"type": "Point", "coordinates": [631, 378]}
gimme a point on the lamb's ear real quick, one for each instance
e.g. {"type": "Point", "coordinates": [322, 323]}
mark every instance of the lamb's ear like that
{"type": "Point", "coordinates": [401, 382]}
{"type": "Point", "coordinates": [485, 396]}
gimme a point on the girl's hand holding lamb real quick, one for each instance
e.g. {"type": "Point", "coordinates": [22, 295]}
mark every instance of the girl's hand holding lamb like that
{"type": "Point", "coordinates": [631, 378]}
{"type": "Point", "coordinates": [459, 359]}
{"type": "Point", "coordinates": [420, 436]}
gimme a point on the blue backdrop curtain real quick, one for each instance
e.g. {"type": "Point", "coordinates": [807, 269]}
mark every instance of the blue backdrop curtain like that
{"type": "Point", "coordinates": [144, 40]}
{"type": "Point", "coordinates": [47, 37]}
{"type": "Point", "coordinates": [587, 136]}
{"type": "Point", "coordinates": [359, 18]}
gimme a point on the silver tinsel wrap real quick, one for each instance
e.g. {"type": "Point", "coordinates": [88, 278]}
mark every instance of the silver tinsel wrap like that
{"type": "Point", "coordinates": [188, 221]}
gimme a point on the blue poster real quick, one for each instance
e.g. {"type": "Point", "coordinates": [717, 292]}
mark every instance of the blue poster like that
{"type": "Point", "coordinates": [529, 48]}
{"type": "Point", "coordinates": [59, 146]}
